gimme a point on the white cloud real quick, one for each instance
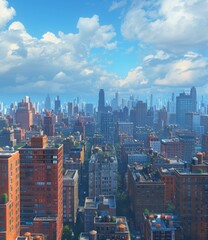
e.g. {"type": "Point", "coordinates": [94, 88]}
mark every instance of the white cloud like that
{"type": "Point", "coordinates": [117, 4]}
{"type": "Point", "coordinates": [58, 63]}
{"type": "Point", "coordinates": [172, 25]}
{"type": "Point", "coordinates": [6, 13]}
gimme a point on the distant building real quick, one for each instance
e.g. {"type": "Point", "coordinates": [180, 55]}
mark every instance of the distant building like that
{"type": "Point", "coordinates": [48, 103]}
{"type": "Point", "coordinates": [107, 127]}
{"type": "Point", "coordinates": [101, 101]}
{"type": "Point", "coordinates": [7, 137]}
{"type": "Point", "coordinates": [48, 125]}
{"type": "Point", "coordinates": [9, 195]}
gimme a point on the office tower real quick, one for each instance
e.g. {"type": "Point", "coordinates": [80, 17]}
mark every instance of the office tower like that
{"type": "Point", "coordinates": [48, 125]}
{"type": "Point", "coordinates": [192, 198]}
{"type": "Point", "coordinates": [48, 103]}
{"type": "Point", "coordinates": [103, 168]}
{"type": "Point", "coordinates": [89, 109]}
{"type": "Point", "coordinates": [101, 101]}
{"type": "Point", "coordinates": [185, 103]}
{"type": "Point", "coordinates": [98, 206]}
{"type": "Point", "coordinates": [151, 100]}
{"type": "Point", "coordinates": [57, 105]}
{"type": "Point", "coordinates": [141, 114]}
{"type": "Point", "coordinates": [162, 119]}
{"type": "Point", "coordinates": [24, 115]}
{"type": "Point", "coordinates": [117, 101]}
{"type": "Point", "coordinates": [10, 195]}
{"type": "Point", "coordinates": [41, 195]}
{"type": "Point", "coordinates": [70, 196]}
{"type": "Point", "coordinates": [107, 127]}
{"type": "Point", "coordinates": [146, 190]}
{"type": "Point", "coordinates": [70, 109]}
{"type": "Point", "coordinates": [193, 95]}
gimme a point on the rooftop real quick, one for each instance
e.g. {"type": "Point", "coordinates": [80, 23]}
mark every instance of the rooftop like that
{"type": "Point", "coordinates": [69, 174]}
{"type": "Point", "coordinates": [94, 202]}
{"type": "Point", "coordinates": [161, 222]}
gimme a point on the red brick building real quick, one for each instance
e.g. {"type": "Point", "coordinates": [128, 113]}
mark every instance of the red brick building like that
{"type": "Point", "coordinates": [42, 187]}
{"type": "Point", "coordinates": [9, 195]}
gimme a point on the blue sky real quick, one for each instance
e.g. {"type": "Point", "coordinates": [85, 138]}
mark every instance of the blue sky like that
{"type": "Point", "coordinates": [76, 47]}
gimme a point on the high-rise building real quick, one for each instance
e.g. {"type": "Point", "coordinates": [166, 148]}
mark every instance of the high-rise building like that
{"type": "Point", "coordinates": [57, 105]}
{"type": "Point", "coordinates": [70, 109]}
{"type": "Point", "coordinates": [89, 109]}
{"type": "Point", "coordinates": [10, 195]}
{"type": "Point", "coordinates": [48, 103]}
{"type": "Point", "coordinates": [101, 101]}
{"type": "Point", "coordinates": [42, 187]}
{"type": "Point", "coordinates": [103, 167]}
{"type": "Point", "coordinates": [141, 114]}
{"type": "Point", "coordinates": [24, 115]}
{"type": "Point", "coordinates": [107, 127]}
{"type": "Point", "coordinates": [70, 196]}
{"type": "Point", "coordinates": [48, 125]}
{"type": "Point", "coordinates": [193, 95]}
{"type": "Point", "coordinates": [185, 103]}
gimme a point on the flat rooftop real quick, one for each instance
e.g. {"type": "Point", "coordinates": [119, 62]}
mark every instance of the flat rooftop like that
{"type": "Point", "coordinates": [94, 202]}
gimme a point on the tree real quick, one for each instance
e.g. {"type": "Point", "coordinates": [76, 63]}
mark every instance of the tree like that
{"type": "Point", "coordinates": [4, 198]}
{"type": "Point", "coordinates": [67, 233]}
{"type": "Point", "coordinates": [170, 208]}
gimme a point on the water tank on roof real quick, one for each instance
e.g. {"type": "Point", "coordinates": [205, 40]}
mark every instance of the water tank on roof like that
{"type": "Point", "coordinates": [194, 161]}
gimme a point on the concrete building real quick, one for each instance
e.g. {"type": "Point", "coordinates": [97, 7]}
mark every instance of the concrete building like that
{"type": "Point", "coordinates": [42, 188]}
{"type": "Point", "coordinates": [10, 195]}
{"type": "Point", "coordinates": [98, 206]}
{"type": "Point", "coordinates": [70, 196]}
{"type": "Point", "coordinates": [48, 125]}
{"type": "Point", "coordinates": [103, 166]}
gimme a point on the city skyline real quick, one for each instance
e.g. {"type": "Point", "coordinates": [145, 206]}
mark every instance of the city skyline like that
{"type": "Point", "coordinates": [71, 48]}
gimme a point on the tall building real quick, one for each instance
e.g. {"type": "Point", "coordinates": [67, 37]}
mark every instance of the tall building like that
{"type": "Point", "coordinates": [193, 95]}
{"type": "Point", "coordinates": [89, 109]}
{"type": "Point", "coordinates": [70, 109]}
{"type": "Point", "coordinates": [24, 115]}
{"type": "Point", "coordinates": [141, 114]}
{"type": "Point", "coordinates": [10, 195]}
{"type": "Point", "coordinates": [48, 125]}
{"type": "Point", "coordinates": [70, 196]}
{"type": "Point", "coordinates": [57, 105]}
{"type": "Point", "coordinates": [185, 103]}
{"type": "Point", "coordinates": [101, 101]}
{"type": "Point", "coordinates": [107, 127]}
{"type": "Point", "coordinates": [103, 167]}
{"type": "Point", "coordinates": [48, 103]}
{"type": "Point", "coordinates": [42, 187]}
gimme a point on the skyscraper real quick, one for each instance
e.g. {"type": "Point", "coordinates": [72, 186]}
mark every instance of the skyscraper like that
{"type": "Point", "coordinates": [101, 101]}
{"type": "Point", "coordinates": [24, 115]}
{"type": "Point", "coordinates": [10, 195]}
{"type": "Point", "coordinates": [48, 125]}
{"type": "Point", "coordinates": [193, 95]}
{"type": "Point", "coordinates": [57, 105]}
{"type": "Point", "coordinates": [48, 103]}
{"type": "Point", "coordinates": [42, 188]}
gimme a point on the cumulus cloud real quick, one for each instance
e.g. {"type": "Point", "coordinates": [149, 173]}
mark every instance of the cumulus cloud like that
{"type": "Point", "coordinates": [6, 13]}
{"type": "Point", "coordinates": [172, 25]}
{"type": "Point", "coordinates": [59, 63]}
